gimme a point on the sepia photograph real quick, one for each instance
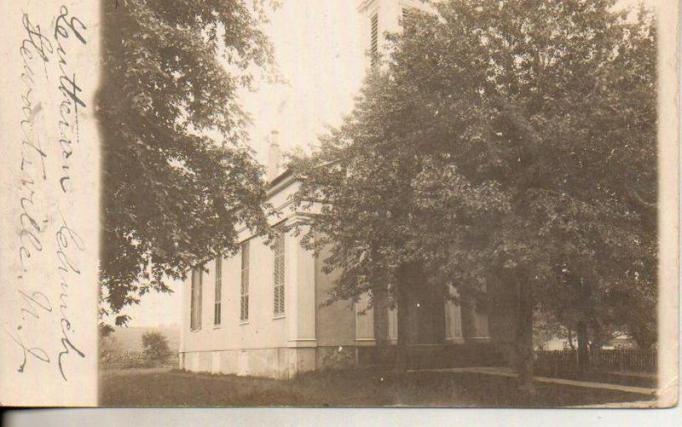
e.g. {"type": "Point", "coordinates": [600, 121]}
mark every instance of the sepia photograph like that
{"type": "Point", "coordinates": [462, 213]}
{"type": "Point", "coordinates": [350, 203]}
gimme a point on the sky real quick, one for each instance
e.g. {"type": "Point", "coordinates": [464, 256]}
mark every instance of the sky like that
{"type": "Point", "coordinates": [320, 55]}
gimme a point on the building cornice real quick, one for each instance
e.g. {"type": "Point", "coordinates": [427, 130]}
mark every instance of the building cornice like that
{"type": "Point", "coordinates": [281, 182]}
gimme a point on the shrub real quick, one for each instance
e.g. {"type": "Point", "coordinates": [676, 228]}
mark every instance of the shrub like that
{"type": "Point", "coordinates": [156, 349]}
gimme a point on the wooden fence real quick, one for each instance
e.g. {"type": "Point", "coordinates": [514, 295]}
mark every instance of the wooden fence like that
{"type": "Point", "coordinates": [601, 360]}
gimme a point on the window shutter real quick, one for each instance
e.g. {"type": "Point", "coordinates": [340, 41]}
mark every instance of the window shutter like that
{"type": "Point", "coordinates": [279, 277]}
{"type": "Point", "coordinates": [374, 39]}
{"type": "Point", "coordinates": [217, 308]}
{"type": "Point", "coordinates": [195, 304]}
{"type": "Point", "coordinates": [244, 289]}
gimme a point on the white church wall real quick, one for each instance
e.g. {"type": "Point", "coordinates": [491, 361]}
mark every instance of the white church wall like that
{"type": "Point", "coordinates": [335, 323]}
{"type": "Point", "coordinates": [364, 321]}
{"type": "Point", "coordinates": [453, 322]}
{"type": "Point", "coordinates": [364, 329]}
{"type": "Point", "coordinates": [263, 328]}
{"type": "Point", "coordinates": [267, 344]}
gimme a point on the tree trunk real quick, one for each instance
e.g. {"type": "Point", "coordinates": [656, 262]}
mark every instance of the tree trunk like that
{"type": "Point", "coordinates": [380, 309]}
{"type": "Point", "coordinates": [402, 289]}
{"type": "Point", "coordinates": [380, 297]}
{"type": "Point", "coordinates": [585, 305]}
{"type": "Point", "coordinates": [401, 348]}
{"type": "Point", "coordinates": [467, 316]}
{"type": "Point", "coordinates": [570, 339]}
{"type": "Point", "coordinates": [583, 352]}
{"type": "Point", "coordinates": [524, 337]}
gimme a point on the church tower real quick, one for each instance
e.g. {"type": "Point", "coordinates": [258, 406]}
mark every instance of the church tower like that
{"type": "Point", "coordinates": [424, 317]}
{"type": "Point", "coordinates": [379, 17]}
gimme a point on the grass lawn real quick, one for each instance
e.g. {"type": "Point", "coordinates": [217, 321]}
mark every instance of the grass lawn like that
{"type": "Point", "coordinates": [622, 378]}
{"type": "Point", "coordinates": [338, 388]}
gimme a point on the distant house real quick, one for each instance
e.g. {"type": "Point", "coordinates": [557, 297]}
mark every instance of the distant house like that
{"type": "Point", "coordinates": [260, 312]}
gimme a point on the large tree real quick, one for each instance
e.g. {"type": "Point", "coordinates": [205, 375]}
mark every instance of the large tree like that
{"type": "Point", "coordinates": [508, 143]}
{"type": "Point", "coordinates": [177, 173]}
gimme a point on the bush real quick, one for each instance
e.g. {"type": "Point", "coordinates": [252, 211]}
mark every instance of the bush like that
{"type": "Point", "coordinates": [156, 349]}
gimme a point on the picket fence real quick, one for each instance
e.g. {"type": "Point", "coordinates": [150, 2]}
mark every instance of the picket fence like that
{"type": "Point", "coordinates": [630, 360]}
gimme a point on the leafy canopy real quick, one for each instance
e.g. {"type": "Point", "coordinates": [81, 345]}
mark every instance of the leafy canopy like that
{"type": "Point", "coordinates": [177, 174]}
{"type": "Point", "coordinates": [502, 141]}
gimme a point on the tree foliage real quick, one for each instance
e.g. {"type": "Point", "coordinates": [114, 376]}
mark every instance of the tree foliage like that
{"type": "Point", "coordinates": [177, 174]}
{"type": "Point", "coordinates": [503, 142]}
{"type": "Point", "coordinates": [155, 347]}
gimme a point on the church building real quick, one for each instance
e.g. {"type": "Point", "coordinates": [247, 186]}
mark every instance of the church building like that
{"type": "Point", "coordinates": [261, 312]}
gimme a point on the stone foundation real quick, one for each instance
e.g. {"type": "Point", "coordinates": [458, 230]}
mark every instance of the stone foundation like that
{"type": "Point", "coordinates": [282, 363]}
{"type": "Point", "coordinates": [286, 362]}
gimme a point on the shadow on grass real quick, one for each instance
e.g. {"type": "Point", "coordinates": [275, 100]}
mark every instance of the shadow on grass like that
{"type": "Point", "coordinates": [360, 388]}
